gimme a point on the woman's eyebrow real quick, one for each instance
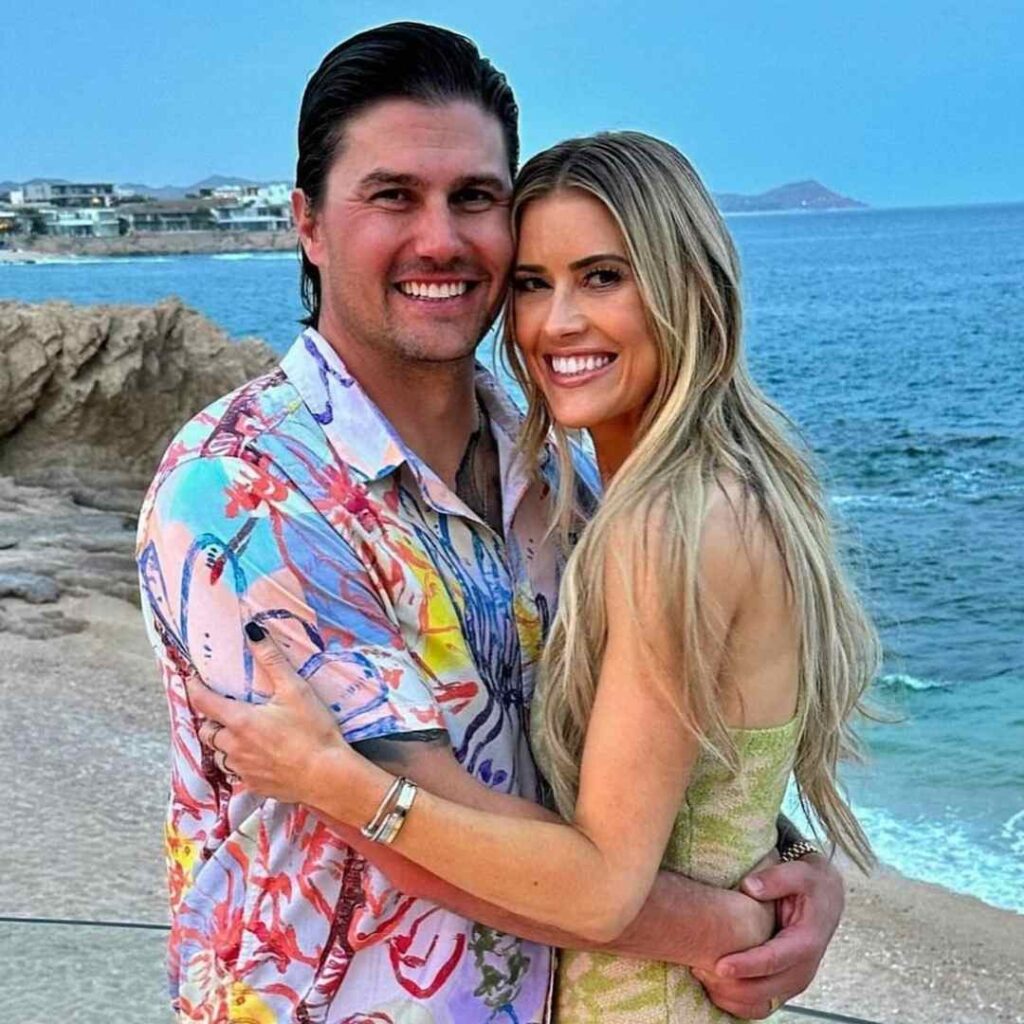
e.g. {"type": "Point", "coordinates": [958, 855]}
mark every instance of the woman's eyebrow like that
{"type": "Point", "coordinates": [601, 257]}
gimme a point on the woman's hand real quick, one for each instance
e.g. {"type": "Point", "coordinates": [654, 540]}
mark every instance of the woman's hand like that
{"type": "Point", "coordinates": [272, 748]}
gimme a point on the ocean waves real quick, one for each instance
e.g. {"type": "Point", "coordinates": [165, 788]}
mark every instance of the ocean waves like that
{"type": "Point", "coordinates": [241, 257]}
{"type": "Point", "coordinates": [954, 854]}
{"type": "Point", "coordinates": [900, 681]}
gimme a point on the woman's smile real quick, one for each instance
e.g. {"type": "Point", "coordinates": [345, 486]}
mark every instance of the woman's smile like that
{"type": "Point", "coordinates": [580, 320]}
{"type": "Point", "coordinates": [573, 369]}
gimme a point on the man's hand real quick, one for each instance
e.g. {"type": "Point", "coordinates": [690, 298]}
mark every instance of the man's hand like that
{"type": "Point", "coordinates": [809, 899]}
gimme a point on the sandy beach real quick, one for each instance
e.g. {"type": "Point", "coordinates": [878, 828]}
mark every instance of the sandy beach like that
{"type": "Point", "coordinates": [85, 727]}
{"type": "Point", "coordinates": [84, 733]}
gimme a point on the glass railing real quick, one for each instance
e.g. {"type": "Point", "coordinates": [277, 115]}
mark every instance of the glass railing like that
{"type": "Point", "coordinates": [86, 974]}
{"type": "Point", "coordinates": [92, 972]}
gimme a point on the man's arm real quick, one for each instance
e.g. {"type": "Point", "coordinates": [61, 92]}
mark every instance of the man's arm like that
{"type": "Point", "coordinates": [681, 922]}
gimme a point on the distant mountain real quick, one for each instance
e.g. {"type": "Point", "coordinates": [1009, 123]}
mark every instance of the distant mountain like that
{"type": "Point", "coordinates": [180, 191]}
{"type": "Point", "coordinates": [153, 191]}
{"type": "Point", "coordinates": [6, 186]}
{"type": "Point", "coordinates": [798, 195]}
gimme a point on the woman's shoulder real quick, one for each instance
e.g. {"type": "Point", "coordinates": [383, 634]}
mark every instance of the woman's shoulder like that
{"type": "Point", "coordinates": [735, 528]}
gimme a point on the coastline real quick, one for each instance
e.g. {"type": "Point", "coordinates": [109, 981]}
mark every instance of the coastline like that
{"type": "Point", "coordinates": [35, 248]}
{"type": "Point", "coordinates": [86, 721]}
{"type": "Point", "coordinates": [906, 952]}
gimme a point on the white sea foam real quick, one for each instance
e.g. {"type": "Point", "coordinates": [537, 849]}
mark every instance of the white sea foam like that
{"type": "Point", "coordinates": [900, 680]}
{"type": "Point", "coordinates": [882, 501]}
{"type": "Point", "coordinates": [947, 853]}
{"type": "Point", "coordinates": [239, 256]}
{"type": "Point", "coordinates": [83, 261]}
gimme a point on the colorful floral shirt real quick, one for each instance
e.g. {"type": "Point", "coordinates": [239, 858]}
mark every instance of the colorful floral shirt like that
{"type": "Point", "coordinates": [293, 502]}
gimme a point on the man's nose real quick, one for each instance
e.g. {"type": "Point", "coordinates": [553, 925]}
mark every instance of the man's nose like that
{"type": "Point", "coordinates": [437, 234]}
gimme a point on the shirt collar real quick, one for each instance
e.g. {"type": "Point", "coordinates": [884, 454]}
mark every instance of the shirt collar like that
{"type": "Point", "coordinates": [356, 429]}
{"type": "Point", "coordinates": [362, 437]}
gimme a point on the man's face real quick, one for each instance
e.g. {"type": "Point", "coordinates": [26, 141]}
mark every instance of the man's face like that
{"type": "Point", "coordinates": [412, 237]}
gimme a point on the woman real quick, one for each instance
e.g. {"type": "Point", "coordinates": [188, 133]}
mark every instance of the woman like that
{"type": "Point", "coordinates": [706, 643]}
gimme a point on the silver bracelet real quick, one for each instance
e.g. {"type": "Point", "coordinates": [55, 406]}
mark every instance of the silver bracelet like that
{"type": "Point", "coordinates": [385, 825]}
{"type": "Point", "coordinates": [372, 827]}
{"type": "Point", "coordinates": [396, 819]}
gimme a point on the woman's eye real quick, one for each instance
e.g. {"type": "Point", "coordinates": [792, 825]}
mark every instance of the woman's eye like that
{"type": "Point", "coordinates": [602, 277]}
{"type": "Point", "coordinates": [528, 284]}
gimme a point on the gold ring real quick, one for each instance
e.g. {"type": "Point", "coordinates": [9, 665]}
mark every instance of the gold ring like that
{"type": "Point", "coordinates": [774, 1003]}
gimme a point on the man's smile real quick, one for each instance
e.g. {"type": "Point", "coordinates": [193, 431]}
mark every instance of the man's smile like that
{"type": "Point", "coordinates": [435, 290]}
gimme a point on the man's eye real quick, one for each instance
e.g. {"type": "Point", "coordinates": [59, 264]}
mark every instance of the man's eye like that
{"type": "Point", "coordinates": [391, 196]}
{"type": "Point", "coordinates": [528, 284]}
{"type": "Point", "coordinates": [473, 199]}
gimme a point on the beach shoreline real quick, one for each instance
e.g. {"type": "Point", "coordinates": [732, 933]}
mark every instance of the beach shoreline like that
{"type": "Point", "coordinates": [85, 698]}
{"type": "Point", "coordinates": [39, 248]}
{"type": "Point", "coordinates": [86, 724]}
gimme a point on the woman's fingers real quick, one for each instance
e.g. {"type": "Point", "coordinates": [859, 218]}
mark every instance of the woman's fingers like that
{"type": "Point", "coordinates": [208, 733]}
{"type": "Point", "coordinates": [270, 745]}
{"type": "Point", "coordinates": [210, 704]}
{"type": "Point", "coordinates": [274, 675]}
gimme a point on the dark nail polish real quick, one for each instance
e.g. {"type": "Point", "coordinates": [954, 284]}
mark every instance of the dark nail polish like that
{"type": "Point", "coordinates": [254, 631]}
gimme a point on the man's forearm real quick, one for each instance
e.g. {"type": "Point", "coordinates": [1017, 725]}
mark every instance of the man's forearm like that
{"type": "Point", "coordinates": [686, 922]}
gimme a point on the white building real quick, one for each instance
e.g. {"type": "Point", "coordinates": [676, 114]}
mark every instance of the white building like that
{"type": "Point", "coordinates": [70, 193]}
{"type": "Point", "coordinates": [89, 221]}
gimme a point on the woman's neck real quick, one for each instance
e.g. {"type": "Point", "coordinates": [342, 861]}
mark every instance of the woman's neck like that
{"type": "Point", "coordinates": [613, 444]}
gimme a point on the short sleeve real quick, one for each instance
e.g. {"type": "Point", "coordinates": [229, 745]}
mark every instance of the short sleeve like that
{"type": "Point", "coordinates": [225, 540]}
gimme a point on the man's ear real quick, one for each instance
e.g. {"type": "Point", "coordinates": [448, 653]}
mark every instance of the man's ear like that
{"type": "Point", "coordinates": [306, 225]}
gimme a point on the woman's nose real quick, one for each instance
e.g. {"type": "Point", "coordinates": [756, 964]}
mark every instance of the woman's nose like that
{"type": "Point", "coordinates": [565, 319]}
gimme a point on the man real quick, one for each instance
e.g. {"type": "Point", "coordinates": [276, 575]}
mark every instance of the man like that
{"type": "Point", "coordinates": [365, 502]}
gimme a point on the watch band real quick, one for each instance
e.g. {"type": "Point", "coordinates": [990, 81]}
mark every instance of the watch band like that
{"type": "Point", "coordinates": [794, 851]}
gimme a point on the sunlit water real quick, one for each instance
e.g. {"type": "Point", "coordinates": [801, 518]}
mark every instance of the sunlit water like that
{"type": "Point", "coordinates": [893, 338]}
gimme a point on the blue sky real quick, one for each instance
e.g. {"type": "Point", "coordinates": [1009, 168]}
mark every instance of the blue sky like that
{"type": "Point", "coordinates": [898, 103]}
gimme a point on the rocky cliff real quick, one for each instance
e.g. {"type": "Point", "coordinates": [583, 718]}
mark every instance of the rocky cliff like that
{"type": "Point", "coordinates": [89, 398]}
{"type": "Point", "coordinates": [102, 388]}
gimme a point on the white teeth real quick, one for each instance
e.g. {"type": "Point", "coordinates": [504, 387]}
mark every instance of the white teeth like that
{"type": "Point", "coordinates": [567, 365]}
{"type": "Point", "coordinates": [429, 290]}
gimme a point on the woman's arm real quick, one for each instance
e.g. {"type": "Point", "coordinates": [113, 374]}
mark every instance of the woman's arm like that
{"type": "Point", "coordinates": [592, 877]}
{"type": "Point", "coordinates": [682, 922]}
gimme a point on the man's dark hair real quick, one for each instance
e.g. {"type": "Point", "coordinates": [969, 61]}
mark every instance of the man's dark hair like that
{"type": "Point", "coordinates": [403, 60]}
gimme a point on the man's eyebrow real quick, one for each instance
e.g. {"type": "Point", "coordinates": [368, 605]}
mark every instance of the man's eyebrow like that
{"type": "Point", "coordinates": [491, 181]}
{"type": "Point", "coordinates": [382, 176]}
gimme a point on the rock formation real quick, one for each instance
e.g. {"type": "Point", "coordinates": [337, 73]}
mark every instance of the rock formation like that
{"type": "Point", "coordinates": [102, 388]}
{"type": "Point", "coordinates": [89, 398]}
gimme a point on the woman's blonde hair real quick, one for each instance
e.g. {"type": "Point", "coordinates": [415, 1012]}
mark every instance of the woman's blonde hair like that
{"type": "Point", "coordinates": [707, 422]}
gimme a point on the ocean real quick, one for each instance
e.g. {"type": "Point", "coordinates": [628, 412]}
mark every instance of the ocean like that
{"type": "Point", "coordinates": [891, 337]}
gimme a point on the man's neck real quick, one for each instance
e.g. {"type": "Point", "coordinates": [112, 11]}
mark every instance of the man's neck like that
{"type": "Point", "coordinates": [431, 406]}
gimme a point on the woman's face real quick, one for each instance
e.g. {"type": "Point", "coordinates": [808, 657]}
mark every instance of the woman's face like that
{"type": "Point", "coordinates": [579, 318]}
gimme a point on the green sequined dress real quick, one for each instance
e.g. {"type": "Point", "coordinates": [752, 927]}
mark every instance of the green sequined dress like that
{"type": "Point", "coordinates": [725, 826]}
